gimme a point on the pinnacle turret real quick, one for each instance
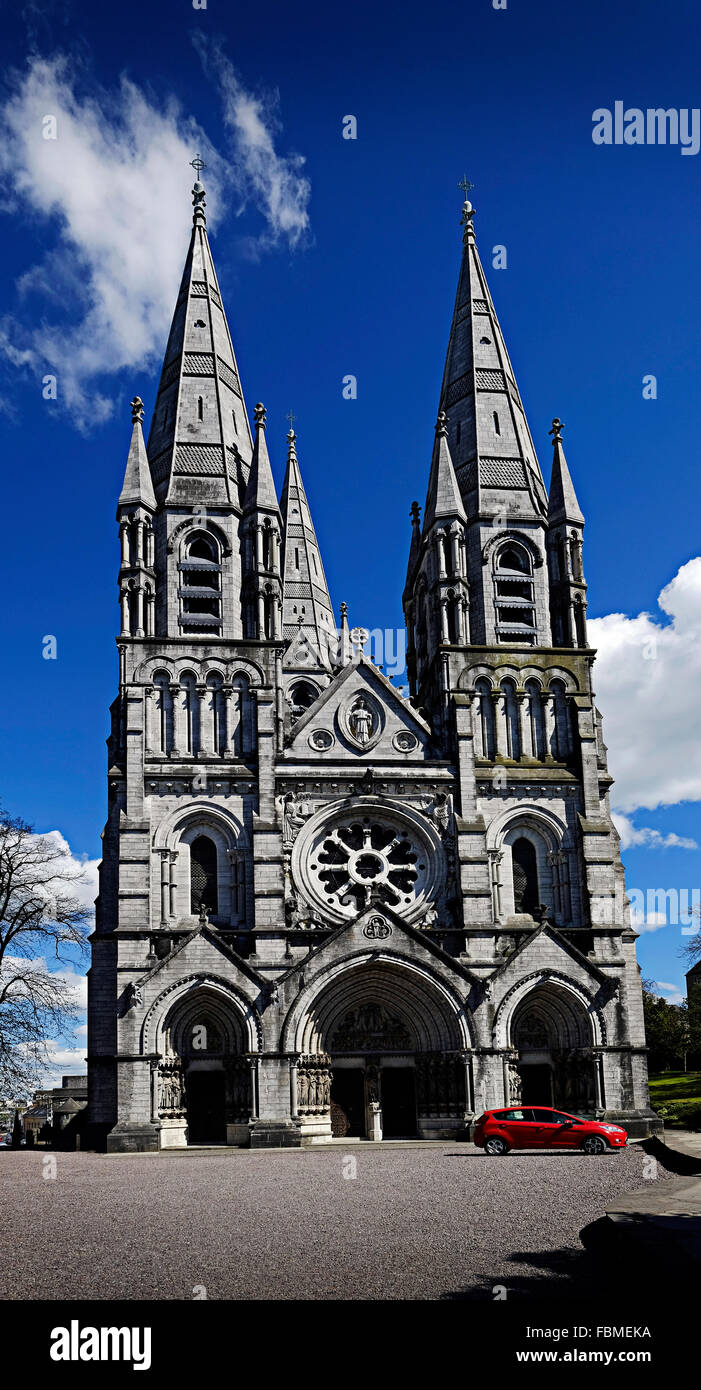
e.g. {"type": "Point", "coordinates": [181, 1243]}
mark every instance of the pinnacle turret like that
{"type": "Point", "coordinates": [306, 603]}
{"type": "Point", "coordinates": [562, 502]}
{"type": "Point", "coordinates": [137, 488]}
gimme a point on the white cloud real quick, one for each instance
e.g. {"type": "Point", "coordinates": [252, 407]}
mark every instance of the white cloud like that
{"type": "Point", "coordinates": [632, 835]}
{"type": "Point", "coordinates": [644, 921]}
{"type": "Point", "coordinates": [114, 187]}
{"type": "Point", "coordinates": [647, 677]}
{"type": "Point", "coordinates": [274, 182]}
{"type": "Point", "coordinates": [672, 993]}
{"type": "Point", "coordinates": [81, 869]}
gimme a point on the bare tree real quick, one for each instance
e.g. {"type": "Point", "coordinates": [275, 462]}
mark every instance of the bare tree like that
{"type": "Point", "coordinates": [40, 917]}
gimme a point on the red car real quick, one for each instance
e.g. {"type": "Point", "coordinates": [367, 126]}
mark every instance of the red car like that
{"type": "Point", "coordinates": [523, 1127]}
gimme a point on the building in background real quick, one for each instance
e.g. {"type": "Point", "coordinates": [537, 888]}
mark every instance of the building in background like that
{"type": "Point", "coordinates": [325, 909]}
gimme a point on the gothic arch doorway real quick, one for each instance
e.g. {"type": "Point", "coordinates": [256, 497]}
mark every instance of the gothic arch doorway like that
{"type": "Point", "coordinates": [392, 1045]}
{"type": "Point", "coordinates": [204, 1073]}
{"type": "Point", "coordinates": [553, 1035]}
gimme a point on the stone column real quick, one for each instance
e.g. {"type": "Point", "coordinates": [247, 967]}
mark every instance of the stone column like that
{"type": "Point", "coordinates": [261, 616]}
{"type": "Point", "coordinates": [548, 725]}
{"type": "Point", "coordinates": [495, 861]}
{"type": "Point", "coordinates": [174, 689]}
{"type": "Point", "coordinates": [165, 886]}
{"type": "Point", "coordinates": [139, 542]}
{"type": "Point", "coordinates": [524, 724]}
{"type": "Point", "coordinates": [173, 885]}
{"type": "Point", "coordinates": [203, 721]}
{"type": "Point", "coordinates": [124, 538]}
{"type": "Point", "coordinates": [499, 700]}
{"type": "Point", "coordinates": [444, 619]}
{"type": "Point", "coordinates": [124, 599]}
{"type": "Point", "coordinates": [259, 548]}
{"type": "Point", "coordinates": [148, 720]}
{"type": "Point", "coordinates": [139, 610]}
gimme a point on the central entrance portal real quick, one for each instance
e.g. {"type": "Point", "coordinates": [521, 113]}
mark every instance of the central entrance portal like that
{"type": "Point", "coordinates": [206, 1117]}
{"type": "Point", "coordinates": [399, 1103]}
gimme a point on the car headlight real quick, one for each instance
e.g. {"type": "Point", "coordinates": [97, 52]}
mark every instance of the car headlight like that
{"type": "Point", "coordinates": [613, 1129]}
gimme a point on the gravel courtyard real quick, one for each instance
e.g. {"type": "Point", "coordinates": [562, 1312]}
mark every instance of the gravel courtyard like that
{"type": "Point", "coordinates": [424, 1222]}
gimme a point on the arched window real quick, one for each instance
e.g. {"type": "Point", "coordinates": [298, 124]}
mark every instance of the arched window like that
{"type": "Point", "coordinates": [511, 720]}
{"type": "Point", "coordinates": [190, 709]}
{"type": "Point", "coordinates": [579, 623]}
{"type": "Point", "coordinates": [525, 873]}
{"type": "Point", "coordinates": [561, 743]}
{"type": "Point", "coordinates": [200, 585]}
{"type": "Point", "coordinates": [302, 695]}
{"type": "Point", "coordinates": [161, 731]}
{"type": "Point", "coordinates": [203, 876]}
{"type": "Point", "coordinates": [514, 599]}
{"type": "Point", "coordinates": [485, 730]}
{"type": "Point", "coordinates": [535, 720]}
{"type": "Point", "coordinates": [267, 538]}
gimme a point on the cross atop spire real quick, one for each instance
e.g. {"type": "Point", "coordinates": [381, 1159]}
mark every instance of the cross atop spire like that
{"type": "Point", "coordinates": [291, 417]}
{"type": "Point", "coordinates": [465, 185]}
{"type": "Point", "coordinates": [198, 197]}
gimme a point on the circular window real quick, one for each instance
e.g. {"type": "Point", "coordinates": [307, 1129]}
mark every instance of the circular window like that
{"type": "Point", "coordinates": [368, 855]}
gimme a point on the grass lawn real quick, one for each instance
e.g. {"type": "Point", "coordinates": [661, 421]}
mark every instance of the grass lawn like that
{"type": "Point", "coordinates": [679, 1093]}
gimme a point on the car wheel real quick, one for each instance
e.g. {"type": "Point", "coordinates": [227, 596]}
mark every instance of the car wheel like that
{"type": "Point", "coordinates": [594, 1144]}
{"type": "Point", "coordinates": [495, 1146]}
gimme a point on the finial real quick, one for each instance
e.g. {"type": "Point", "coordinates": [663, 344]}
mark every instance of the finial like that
{"type": "Point", "coordinates": [137, 410]}
{"type": "Point", "coordinates": [259, 416]}
{"type": "Point", "coordinates": [442, 424]}
{"type": "Point", "coordinates": [291, 417]}
{"type": "Point", "coordinates": [468, 211]}
{"type": "Point", "coordinates": [556, 431]}
{"type": "Point", "coordinates": [344, 612]}
{"type": "Point", "coordinates": [415, 514]}
{"type": "Point", "coordinates": [198, 198]}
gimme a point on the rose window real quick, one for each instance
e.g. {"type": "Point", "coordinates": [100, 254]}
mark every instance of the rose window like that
{"type": "Point", "coordinates": [367, 861]}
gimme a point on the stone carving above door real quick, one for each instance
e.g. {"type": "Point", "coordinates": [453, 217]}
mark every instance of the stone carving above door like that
{"type": "Point", "coordinates": [371, 1028]}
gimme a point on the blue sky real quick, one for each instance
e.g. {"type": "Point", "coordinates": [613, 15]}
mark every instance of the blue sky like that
{"type": "Point", "coordinates": [355, 273]}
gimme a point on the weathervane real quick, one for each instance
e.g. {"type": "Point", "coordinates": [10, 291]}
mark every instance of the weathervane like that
{"type": "Point", "coordinates": [291, 417]}
{"type": "Point", "coordinates": [465, 185]}
{"type": "Point", "coordinates": [198, 165]}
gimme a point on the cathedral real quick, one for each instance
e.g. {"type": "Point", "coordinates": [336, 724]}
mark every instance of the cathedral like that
{"type": "Point", "coordinates": [327, 911]}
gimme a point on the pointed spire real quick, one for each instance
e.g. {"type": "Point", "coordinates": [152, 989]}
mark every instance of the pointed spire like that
{"type": "Point", "coordinates": [443, 501]}
{"type": "Point", "coordinates": [563, 504]}
{"type": "Point", "coordinates": [200, 444]}
{"type": "Point", "coordinates": [137, 488]}
{"type": "Point", "coordinates": [306, 600]}
{"type": "Point", "coordinates": [260, 492]}
{"type": "Point", "coordinates": [491, 445]}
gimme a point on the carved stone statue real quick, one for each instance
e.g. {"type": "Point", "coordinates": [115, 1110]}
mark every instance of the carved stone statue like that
{"type": "Point", "coordinates": [361, 721]}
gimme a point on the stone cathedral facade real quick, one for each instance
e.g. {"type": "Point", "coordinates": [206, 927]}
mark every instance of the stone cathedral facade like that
{"type": "Point", "coordinates": [327, 910]}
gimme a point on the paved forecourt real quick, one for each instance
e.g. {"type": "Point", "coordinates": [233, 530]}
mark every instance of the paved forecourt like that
{"type": "Point", "coordinates": [345, 1222]}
